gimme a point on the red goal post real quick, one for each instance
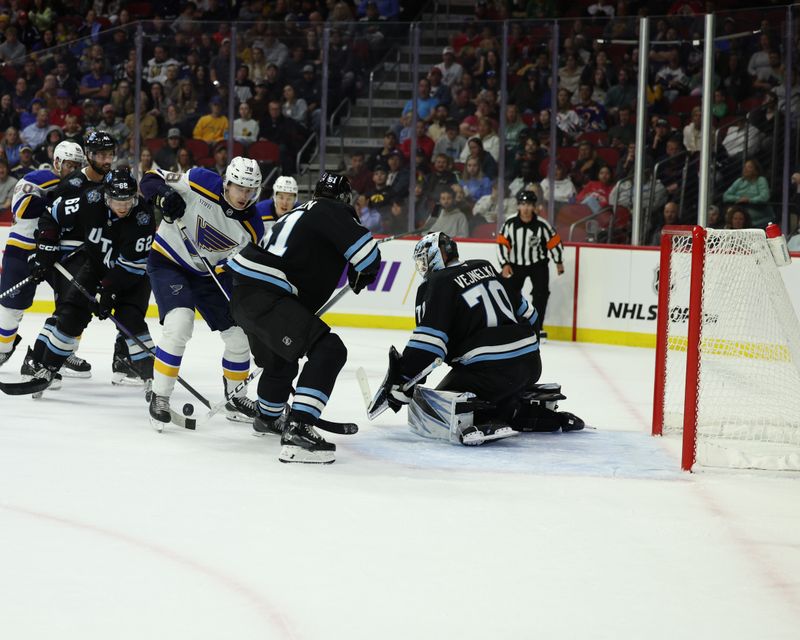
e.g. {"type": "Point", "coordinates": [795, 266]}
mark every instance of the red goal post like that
{"type": "Point", "coordinates": [727, 369]}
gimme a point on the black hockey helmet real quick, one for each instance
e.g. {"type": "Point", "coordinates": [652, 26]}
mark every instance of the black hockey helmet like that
{"type": "Point", "coordinates": [335, 187]}
{"type": "Point", "coordinates": [120, 184]}
{"type": "Point", "coordinates": [99, 141]}
{"type": "Point", "coordinates": [526, 196]}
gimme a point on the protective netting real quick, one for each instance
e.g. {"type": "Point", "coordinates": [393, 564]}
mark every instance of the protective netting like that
{"type": "Point", "coordinates": [748, 407]}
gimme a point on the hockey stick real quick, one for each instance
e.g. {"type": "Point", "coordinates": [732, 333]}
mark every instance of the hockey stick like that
{"type": "Point", "coordinates": [377, 405]}
{"type": "Point", "coordinates": [206, 263]}
{"type": "Point", "coordinates": [28, 279]}
{"type": "Point", "coordinates": [127, 333]}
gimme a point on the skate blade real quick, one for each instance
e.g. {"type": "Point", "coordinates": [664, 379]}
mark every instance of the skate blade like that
{"type": "Point", "coordinates": [477, 439]}
{"type": "Point", "coordinates": [290, 453]}
{"type": "Point", "coordinates": [69, 373]}
{"type": "Point", "coordinates": [125, 381]}
{"type": "Point", "coordinates": [239, 417]}
{"type": "Point", "coordinates": [157, 424]}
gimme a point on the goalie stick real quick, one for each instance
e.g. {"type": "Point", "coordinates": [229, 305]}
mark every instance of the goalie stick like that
{"type": "Point", "coordinates": [380, 402]}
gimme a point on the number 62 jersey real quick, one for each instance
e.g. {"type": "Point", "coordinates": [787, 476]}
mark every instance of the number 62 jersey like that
{"type": "Point", "coordinates": [466, 315]}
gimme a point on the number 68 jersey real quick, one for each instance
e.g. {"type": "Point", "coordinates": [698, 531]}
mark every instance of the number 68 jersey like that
{"type": "Point", "coordinates": [466, 315]}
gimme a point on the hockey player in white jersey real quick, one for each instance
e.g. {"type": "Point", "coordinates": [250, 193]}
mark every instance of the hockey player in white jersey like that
{"type": "Point", "coordinates": [28, 203]}
{"type": "Point", "coordinates": [283, 200]}
{"type": "Point", "coordinates": [220, 218]}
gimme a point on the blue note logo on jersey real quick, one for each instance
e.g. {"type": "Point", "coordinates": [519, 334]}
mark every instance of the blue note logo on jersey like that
{"type": "Point", "coordinates": [212, 239]}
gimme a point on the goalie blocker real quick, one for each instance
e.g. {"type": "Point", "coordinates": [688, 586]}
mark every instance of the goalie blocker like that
{"type": "Point", "coordinates": [468, 317]}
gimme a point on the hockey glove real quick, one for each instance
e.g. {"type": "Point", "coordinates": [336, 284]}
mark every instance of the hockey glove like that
{"type": "Point", "coordinates": [171, 204]}
{"type": "Point", "coordinates": [398, 398]}
{"type": "Point", "coordinates": [46, 255]}
{"type": "Point", "coordinates": [106, 299]}
{"type": "Point", "coordinates": [359, 280]}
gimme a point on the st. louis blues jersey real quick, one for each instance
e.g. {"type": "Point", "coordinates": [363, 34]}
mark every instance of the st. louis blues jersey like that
{"type": "Point", "coordinates": [117, 247]}
{"type": "Point", "coordinates": [467, 315]}
{"type": "Point", "coordinates": [306, 251]}
{"type": "Point", "coordinates": [216, 228]}
{"type": "Point", "coordinates": [266, 211]}
{"type": "Point", "coordinates": [28, 203]}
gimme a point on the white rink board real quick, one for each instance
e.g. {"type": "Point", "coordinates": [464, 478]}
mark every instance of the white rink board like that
{"type": "Point", "coordinates": [616, 292]}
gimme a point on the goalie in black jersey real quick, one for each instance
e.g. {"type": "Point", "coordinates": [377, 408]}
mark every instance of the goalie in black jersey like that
{"type": "Point", "coordinates": [117, 229]}
{"type": "Point", "coordinates": [470, 318]}
{"type": "Point", "coordinates": [278, 287]}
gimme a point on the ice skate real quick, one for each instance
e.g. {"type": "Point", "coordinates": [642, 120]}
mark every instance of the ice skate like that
{"type": "Point", "coordinates": [4, 357]}
{"type": "Point", "coordinates": [75, 367]}
{"type": "Point", "coordinates": [159, 412]}
{"type": "Point", "coordinates": [478, 434]}
{"type": "Point", "coordinates": [30, 367]}
{"type": "Point", "coordinates": [301, 443]}
{"type": "Point", "coordinates": [263, 425]}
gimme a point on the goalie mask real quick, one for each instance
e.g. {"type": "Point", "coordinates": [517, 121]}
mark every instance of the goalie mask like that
{"type": "Point", "coordinates": [433, 252]}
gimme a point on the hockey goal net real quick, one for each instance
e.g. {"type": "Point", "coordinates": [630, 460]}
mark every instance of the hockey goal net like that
{"type": "Point", "coordinates": [727, 351]}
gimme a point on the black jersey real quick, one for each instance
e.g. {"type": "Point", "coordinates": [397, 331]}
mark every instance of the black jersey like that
{"type": "Point", "coordinates": [118, 247]}
{"type": "Point", "coordinates": [306, 252]}
{"type": "Point", "coordinates": [466, 315]}
{"type": "Point", "coordinates": [73, 185]}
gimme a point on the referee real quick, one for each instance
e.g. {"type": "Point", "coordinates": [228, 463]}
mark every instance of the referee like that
{"type": "Point", "coordinates": [522, 248]}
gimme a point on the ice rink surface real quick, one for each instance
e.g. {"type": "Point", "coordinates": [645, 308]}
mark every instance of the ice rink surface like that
{"type": "Point", "coordinates": [111, 530]}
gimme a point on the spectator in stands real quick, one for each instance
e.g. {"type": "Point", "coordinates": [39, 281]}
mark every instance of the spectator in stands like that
{"type": "Point", "coordinates": [660, 134]}
{"type": "Point", "coordinates": [758, 66]}
{"type": "Point", "coordinates": [488, 138]}
{"type": "Point", "coordinates": [567, 119]}
{"type": "Point", "coordinates": [623, 133]}
{"type": "Point", "coordinates": [586, 166]}
{"type": "Point", "coordinates": [245, 128]}
{"type": "Point", "coordinates": [42, 15]}
{"type": "Point", "coordinates": [258, 62]}
{"type": "Point", "coordinates": [424, 143]}
{"type": "Point", "coordinates": [592, 115]}
{"type": "Point", "coordinates": [469, 125]}
{"type": "Point", "coordinates": [672, 77]}
{"type": "Point", "coordinates": [63, 108]}
{"type": "Point", "coordinates": [437, 127]}
{"type": "Point", "coordinates": [475, 184]}
{"type": "Point", "coordinates": [397, 220]}
{"type": "Point", "coordinates": [485, 160]}
{"type": "Point", "coordinates": [670, 171]}
{"type": "Point", "coordinates": [514, 127]}
{"type": "Point", "coordinates": [148, 124]}
{"type": "Point", "coordinates": [451, 143]}
{"type": "Point", "coordinates": [47, 92]}
{"type": "Point", "coordinates": [156, 69]}
{"type": "Point", "coordinates": [738, 218]}
{"type": "Point", "coordinates": [569, 76]}
{"type": "Point", "coordinates": [595, 193]}
{"type": "Point", "coordinates": [32, 75]}
{"type": "Point", "coordinates": [73, 131]}
{"type": "Point", "coordinates": [11, 145]}
{"type": "Point", "coordinates": [220, 158]}
{"type": "Point", "coordinates": [451, 70]}
{"type": "Point", "coordinates": [25, 164]}
{"type": "Point", "coordinates": [425, 103]}
{"type": "Point", "coordinates": [27, 118]}
{"type": "Point", "coordinates": [12, 48]}
{"type": "Point", "coordinates": [751, 193]}
{"type": "Point", "coordinates": [212, 126]}
{"type": "Point", "coordinates": [7, 184]}
{"type": "Point", "coordinates": [439, 91]}
{"type": "Point", "coordinates": [772, 76]}
{"type": "Point", "coordinates": [22, 96]}
{"type": "Point", "coordinates": [96, 84]}
{"type": "Point", "coordinates": [8, 115]}
{"type": "Point", "coordinates": [243, 87]}
{"type": "Point", "coordinates": [36, 132]}
{"type": "Point", "coordinates": [486, 206]}
{"type": "Point", "coordinates": [563, 188]}
{"type": "Point", "coordinates": [462, 107]}
{"type": "Point", "coordinates": [274, 50]}
{"type": "Point", "coordinates": [389, 144]}
{"type": "Point", "coordinates": [272, 82]}
{"type": "Point", "coordinates": [441, 176]}
{"type": "Point", "coordinates": [622, 94]}
{"type": "Point", "coordinates": [381, 193]}
{"type": "Point", "coordinates": [397, 176]}
{"type": "Point", "coordinates": [527, 94]}
{"type": "Point", "coordinates": [184, 161]}
{"type": "Point", "coordinates": [692, 133]}
{"type": "Point", "coordinates": [91, 113]}
{"type": "Point", "coordinates": [121, 98]}
{"type": "Point", "coordinates": [64, 78]}
{"type": "Point", "coordinates": [294, 107]}
{"type": "Point", "coordinates": [369, 216]}
{"type": "Point", "coordinates": [146, 162]}
{"type": "Point", "coordinates": [601, 9]}
{"type": "Point", "coordinates": [358, 173]}
{"type": "Point", "coordinates": [627, 162]}
{"type": "Point", "coordinates": [167, 155]}
{"type": "Point", "coordinates": [113, 125]}
{"type": "Point", "coordinates": [309, 90]}
{"type": "Point", "coordinates": [714, 219]}
{"type": "Point", "coordinates": [219, 66]}
{"type": "Point", "coordinates": [451, 220]}
{"type": "Point", "coordinates": [670, 216]}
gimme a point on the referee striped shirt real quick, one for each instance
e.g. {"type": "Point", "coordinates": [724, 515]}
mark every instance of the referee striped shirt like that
{"type": "Point", "coordinates": [527, 243]}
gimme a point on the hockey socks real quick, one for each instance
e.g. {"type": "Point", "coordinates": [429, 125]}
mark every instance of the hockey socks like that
{"type": "Point", "coordinates": [9, 323]}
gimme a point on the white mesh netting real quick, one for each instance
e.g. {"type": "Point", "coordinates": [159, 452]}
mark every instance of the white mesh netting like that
{"type": "Point", "coordinates": [749, 381]}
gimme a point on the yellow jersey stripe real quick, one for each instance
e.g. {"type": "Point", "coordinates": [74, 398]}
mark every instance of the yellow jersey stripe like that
{"type": "Point", "coordinates": [165, 369]}
{"type": "Point", "coordinates": [13, 242]}
{"type": "Point", "coordinates": [250, 230]}
{"type": "Point", "coordinates": [21, 206]}
{"type": "Point", "coordinates": [204, 191]}
{"type": "Point", "coordinates": [5, 339]}
{"type": "Point", "coordinates": [235, 375]}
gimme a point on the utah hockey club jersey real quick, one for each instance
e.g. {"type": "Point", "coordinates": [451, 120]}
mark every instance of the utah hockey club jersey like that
{"type": "Point", "coordinates": [465, 315]}
{"type": "Point", "coordinates": [306, 251]}
{"type": "Point", "coordinates": [216, 228]}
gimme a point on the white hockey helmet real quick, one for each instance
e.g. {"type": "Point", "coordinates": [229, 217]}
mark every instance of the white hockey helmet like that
{"type": "Point", "coordinates": [67, 150]}
{"type": "Point", "coordinates": [433, 252]}
{"type": "Point", "coordinates": [245, 173]}
{"type": "Point", "coordinates": [285, 184]}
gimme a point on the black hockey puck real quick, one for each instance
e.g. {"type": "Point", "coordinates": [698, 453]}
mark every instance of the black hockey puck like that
{"type": "Point", "coordinates": [188, 409]}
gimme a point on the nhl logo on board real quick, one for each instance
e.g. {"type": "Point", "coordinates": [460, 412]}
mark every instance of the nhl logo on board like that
{"type": "Point", "coordinates": [93, 196]}
{"type": "Point", "coordinates": [143, 218]}
{"type": "Point", "coordinates": [287, 340]}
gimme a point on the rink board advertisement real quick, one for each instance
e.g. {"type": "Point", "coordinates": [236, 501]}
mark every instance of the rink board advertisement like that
{"type": "Point", "coordinates": [606, 295]}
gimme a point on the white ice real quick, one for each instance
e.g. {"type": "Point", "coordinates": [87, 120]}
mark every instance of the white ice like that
{"type": "Point", "coordinates": [111, 530]}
